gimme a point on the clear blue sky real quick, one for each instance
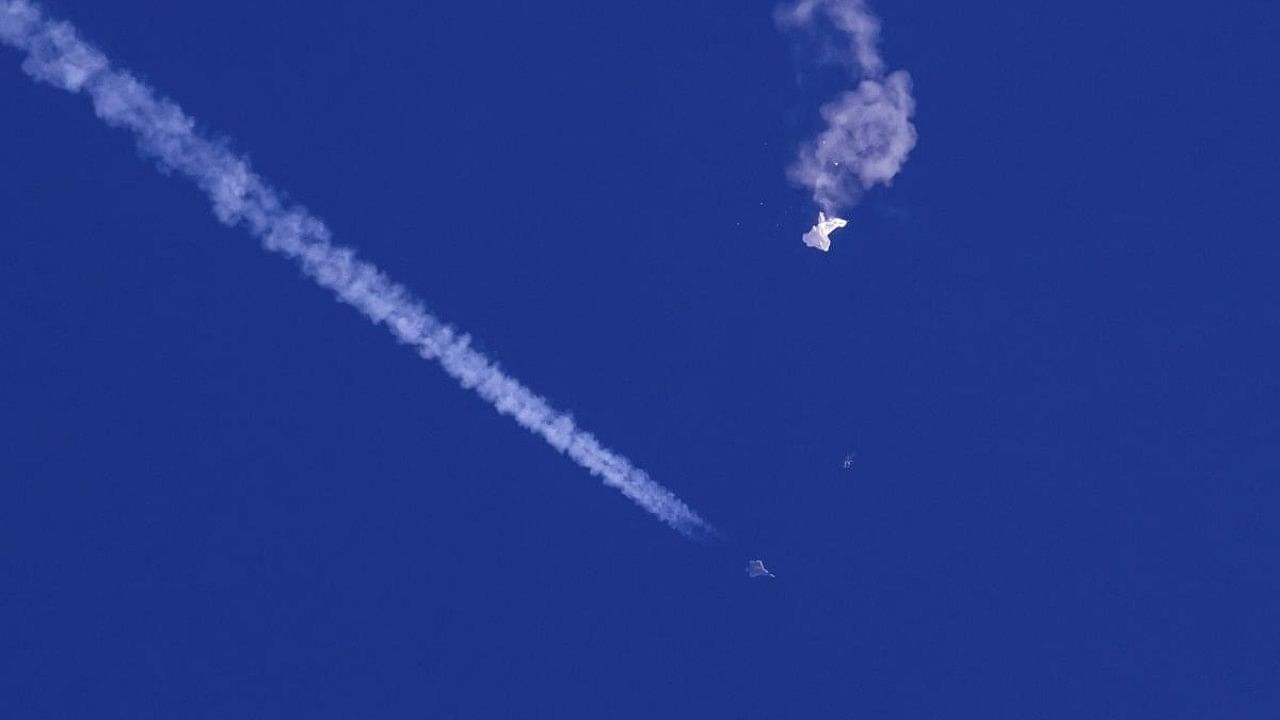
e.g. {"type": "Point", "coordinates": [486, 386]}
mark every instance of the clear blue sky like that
{"type": "Point", "coordinates": [1052, 345]}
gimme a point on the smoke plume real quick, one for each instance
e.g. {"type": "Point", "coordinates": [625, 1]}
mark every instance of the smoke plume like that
{"type": "Point", "coordinates": [868, 132]}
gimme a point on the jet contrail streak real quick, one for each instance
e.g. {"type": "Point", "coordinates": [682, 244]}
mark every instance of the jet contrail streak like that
{"type": "Point", "coordinates": [56, 55]}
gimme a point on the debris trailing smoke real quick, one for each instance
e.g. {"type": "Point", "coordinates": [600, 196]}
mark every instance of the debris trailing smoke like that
{"type": "Point", "coordinates": [56, 55]}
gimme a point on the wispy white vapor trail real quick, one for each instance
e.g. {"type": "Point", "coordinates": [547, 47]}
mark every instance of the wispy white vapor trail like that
{"type": "Point", "coordinates": [869, 131]}
{"type": "Point", "coordinates": [56, 55]}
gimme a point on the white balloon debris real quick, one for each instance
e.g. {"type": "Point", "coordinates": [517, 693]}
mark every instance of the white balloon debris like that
{"type": "Point", "coordinates": [755, 569]}
{"type": "Point", "coordinates": [819, 235]}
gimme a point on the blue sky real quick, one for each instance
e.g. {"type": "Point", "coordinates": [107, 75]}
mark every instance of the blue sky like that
{"type": "Point", "coordinates": [1051, 344]}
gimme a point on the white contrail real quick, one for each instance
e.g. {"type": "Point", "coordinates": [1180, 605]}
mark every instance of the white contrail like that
{"type": "Point", "coordinates": [56, 55]}
{"type": "Point", "coordinates": [869, 131]}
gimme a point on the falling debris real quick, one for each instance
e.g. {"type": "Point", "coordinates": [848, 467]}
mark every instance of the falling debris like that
{"type": "Point", "coordinates": [819, 235]}
{"type": "Point", "coordinates": [755, 569]}
{"type": "Point", "coordinates": [868, 132]}
{"type": "Point", "coordinates": [848, 460]}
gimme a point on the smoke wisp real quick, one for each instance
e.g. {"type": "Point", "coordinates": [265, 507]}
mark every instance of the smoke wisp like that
{"type": "Point", "coordinates": [56, 55]}
{"type": "Point", "coordinates": [868, 132]}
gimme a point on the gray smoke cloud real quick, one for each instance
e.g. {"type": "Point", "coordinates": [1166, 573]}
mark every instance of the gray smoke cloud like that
{"type": "Point", "coordinates": [868, 132]}
{"type": "Point", "coordinates": [57, 56]}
